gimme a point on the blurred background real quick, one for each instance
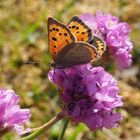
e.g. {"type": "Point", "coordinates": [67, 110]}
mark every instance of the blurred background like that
{"type": "Point", "coordinates": [23, 38]}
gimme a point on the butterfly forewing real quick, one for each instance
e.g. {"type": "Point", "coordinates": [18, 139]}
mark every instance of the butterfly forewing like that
{"type": "Point", "coordinates": [59, 36]}
{"type": "Point", "coordinates": [80, 30]}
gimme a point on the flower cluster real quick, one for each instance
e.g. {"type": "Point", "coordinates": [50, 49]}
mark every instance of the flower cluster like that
{"type": "Point", "coordinates": [115, 34]}
{"type": "Point", "coordinates": [11, 116]}
{"type": "Point", "coordinates": [89, 95]}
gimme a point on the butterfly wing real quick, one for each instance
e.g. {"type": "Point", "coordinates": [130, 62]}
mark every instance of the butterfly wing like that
{"type": "Point", "coordinates": [80, 30]}
{"type": "Point", "coordinates": [58, 36]}
{"type": "Point", "coordinates": [76, 53]}
{"type": "Point", "coordinates": [98, 43]}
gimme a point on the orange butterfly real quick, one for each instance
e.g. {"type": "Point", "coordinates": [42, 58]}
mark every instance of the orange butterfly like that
{"type": "Point", "coordinates": [69, 44]}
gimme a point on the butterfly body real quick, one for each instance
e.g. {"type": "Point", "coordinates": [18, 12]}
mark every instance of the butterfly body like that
{"type": "Point", "coordinates": [69, 44]}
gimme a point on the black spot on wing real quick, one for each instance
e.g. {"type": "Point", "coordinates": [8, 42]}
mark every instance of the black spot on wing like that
{"type": "Point", "coordinates": [65, 34]}
{"type": "Point", "coordinates": [73, 27]}
{"type": "Point", "coordinates": [53, 38]}
{"type": "Point", "coordinates": [77, 28]}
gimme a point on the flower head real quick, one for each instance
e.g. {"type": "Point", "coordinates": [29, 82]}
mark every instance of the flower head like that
{"type": "Point", "coordinates": [115, 34]}
{"type": "Point", "coordinates": [89, 95]}
{"type": "Point", "coordinates": [11, 116]}
{"type": "Point", "coordinates": [106, 22]}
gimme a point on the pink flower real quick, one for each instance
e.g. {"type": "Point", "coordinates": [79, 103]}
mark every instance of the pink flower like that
{"type": "Point", "coordinates": [106, 22]}
{"type": "Point", "coordinates": [11, 116]}
{"type": "Point", "coordinates": [89, 95]}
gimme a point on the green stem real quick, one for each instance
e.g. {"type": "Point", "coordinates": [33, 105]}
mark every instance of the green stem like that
{"type": "Point", "coordinates": [64, 129]}
{"type": "Point", "coordinates": [94, 135]}
{"type": "Point", "coordinates": [38, 131]}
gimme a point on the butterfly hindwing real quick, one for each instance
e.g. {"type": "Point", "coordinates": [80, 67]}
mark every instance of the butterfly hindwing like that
{"type": "Point", "coordinates": [98, 43]}
{"type": "Point", "coordinates": [59, 36]}
{"type": "Point", "coordinates": [80, 30]}
{"type": "Point", "coordinates": [76, 53]}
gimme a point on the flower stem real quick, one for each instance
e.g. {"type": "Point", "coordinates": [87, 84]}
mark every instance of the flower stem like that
{"type": "Point", "coordinates": [64, 129]}
{"type": "Point", "coordinates": [38, 131]}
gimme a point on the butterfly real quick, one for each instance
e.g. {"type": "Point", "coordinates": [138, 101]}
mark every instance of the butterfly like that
{"type": "Point", "coordinates": [70, 44]}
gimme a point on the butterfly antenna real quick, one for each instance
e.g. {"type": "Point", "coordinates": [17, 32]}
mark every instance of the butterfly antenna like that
{"type": "Point", "coordinates": [31, 62]}
{"type": "Point", "coordinates": [44, 53]}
